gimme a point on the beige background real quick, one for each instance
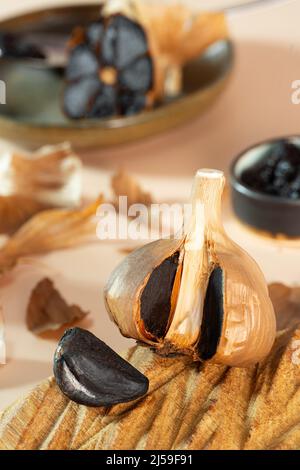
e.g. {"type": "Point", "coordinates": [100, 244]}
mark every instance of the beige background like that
{"type": "Point", "coordinates": [256, 105]}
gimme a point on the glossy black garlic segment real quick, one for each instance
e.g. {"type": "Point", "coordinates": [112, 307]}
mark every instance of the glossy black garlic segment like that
{"type": "Point", "coordinates": [90, 373]}
{"type": "Point", "coordinates": [277, 173]}
{"type": "Point", "coordinates": [213, 313]}
{"type": "Point", "coordinates": [157, 295]}
{"type": "Point", "coordinates": [110, 72]}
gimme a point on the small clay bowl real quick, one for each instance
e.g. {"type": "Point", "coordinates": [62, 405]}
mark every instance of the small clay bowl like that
{"type": "Point", "coordinates": [273, 214]}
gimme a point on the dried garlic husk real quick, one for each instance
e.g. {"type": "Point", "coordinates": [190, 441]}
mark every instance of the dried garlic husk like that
{"type": "Point", "coordinates": [50, 230]}
{"type": "Point", "coordinates": [132, 56]}
{"type": "Point", "coordinates": [30, 183]}
{"type": "Point", "coordinates": [200, 295]}
{"type": "Point", "coordinates": [2, 339]}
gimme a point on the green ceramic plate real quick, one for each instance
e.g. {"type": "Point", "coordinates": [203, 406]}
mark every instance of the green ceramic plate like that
{"type": "Point", "coordinates": [32, 115]}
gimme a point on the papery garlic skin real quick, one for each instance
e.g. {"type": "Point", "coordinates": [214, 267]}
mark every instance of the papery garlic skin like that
{"type": "Point", "coordinates": [238, 322]}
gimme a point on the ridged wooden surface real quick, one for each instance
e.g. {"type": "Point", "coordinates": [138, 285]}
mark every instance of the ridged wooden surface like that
{"type": "Point", "coordinates": [188, 407]}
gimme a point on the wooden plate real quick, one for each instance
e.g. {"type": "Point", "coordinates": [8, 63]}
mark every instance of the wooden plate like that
{"type": "Point", "coordinates": [32, 115]}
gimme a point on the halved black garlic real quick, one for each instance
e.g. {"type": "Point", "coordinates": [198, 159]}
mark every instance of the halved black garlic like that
{"type": "Point", "coordinates": [18, 47]}
{"type": "Point", "coordinates": [132, 56]}
{"type": "Point", "coordinates": [90, 373]}
{"type": "Point", "coordinates": [199, 294]}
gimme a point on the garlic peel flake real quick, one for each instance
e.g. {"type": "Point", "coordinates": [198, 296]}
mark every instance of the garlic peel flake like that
{"type": "Point", "coordinates": [51, 230]}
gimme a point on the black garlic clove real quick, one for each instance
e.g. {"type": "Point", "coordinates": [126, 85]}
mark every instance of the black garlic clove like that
{"type": "Point", "coordinates": [131, 103]}
{"type": "Point", "coordinates": [16, 46]}
{"type": "Point", "coordinates": [90, 373]}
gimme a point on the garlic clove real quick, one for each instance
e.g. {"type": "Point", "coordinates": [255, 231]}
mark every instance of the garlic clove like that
{"type": "Point", "coordinates": [2, 339]}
